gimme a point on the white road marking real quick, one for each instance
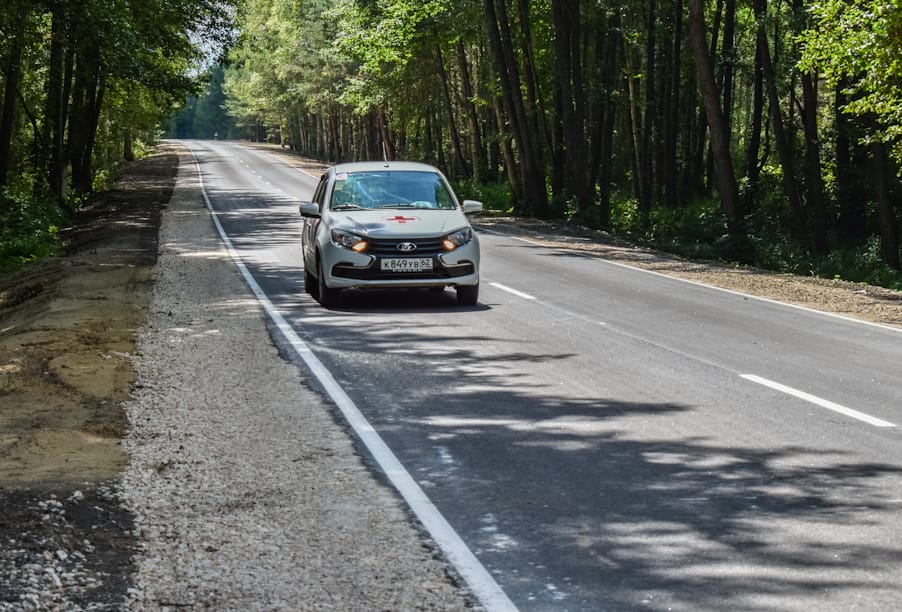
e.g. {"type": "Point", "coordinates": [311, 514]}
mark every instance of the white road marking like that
{"type": "Point", "coordinates": [465, 562]}
{"type": "Point", "coordinates": [528, 241]}
{"type": "Point", "coordinates": [525, 296]}
{"type": "Point", "coordinates": [750, 296]}
{"type": "Point", "coordinates": [849, 412]}
{"type": "Point", "coordinates": [511, 236]}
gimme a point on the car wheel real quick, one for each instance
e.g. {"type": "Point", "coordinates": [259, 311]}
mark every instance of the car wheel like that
{"type": "Point", "coordinates": [327, 296]}
{"type": "Point", "coordinates": [309, 282]}
{"type": "Point", "coordinates": [467, 295]}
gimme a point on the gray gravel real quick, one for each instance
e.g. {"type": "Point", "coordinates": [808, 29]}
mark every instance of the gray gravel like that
{"type": "Point", "coordinates": [247, 493]}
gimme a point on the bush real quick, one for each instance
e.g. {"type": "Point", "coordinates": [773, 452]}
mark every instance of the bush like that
{"type": "Point", "coordinates": [862, 265]}
{"type": "Point", "coordinates": [495, 197]}
{"type": "Point", "coordinates": [28, 228]}
{"type": "Point", "coordinates": [697, 230]}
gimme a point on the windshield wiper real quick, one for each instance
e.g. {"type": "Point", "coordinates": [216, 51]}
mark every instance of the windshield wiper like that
{"type": "Point", "coordinates": [347, 207]}
{"type": "Point", "coordinates": [405, 205]}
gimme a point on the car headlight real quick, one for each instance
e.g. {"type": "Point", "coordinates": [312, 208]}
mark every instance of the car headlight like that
{"type": "Point", "coordinates": [348, 240]}
{"type": "Point", "coordinates": [458, 238]}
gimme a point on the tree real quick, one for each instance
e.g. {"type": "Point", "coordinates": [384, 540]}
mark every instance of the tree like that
{"type": "Point", "coordinates": [856, 45]}
{"type": "Point", "coordinates": [595, 111]}
{"type": "Point", "coordinates": [719, 132]}
{"type": "Point", "coordinates": [16, 26]}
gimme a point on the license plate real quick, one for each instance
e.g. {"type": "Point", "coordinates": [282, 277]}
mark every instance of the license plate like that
{"type": "Point", "coordinates": [407, 264]}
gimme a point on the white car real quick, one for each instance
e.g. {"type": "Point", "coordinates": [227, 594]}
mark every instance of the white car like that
{"type": "Point", "coordinates": [388, 225]}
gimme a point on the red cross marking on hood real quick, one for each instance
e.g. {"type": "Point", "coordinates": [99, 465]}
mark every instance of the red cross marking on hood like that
{"type": "Point", "coordinates": [401, 219]}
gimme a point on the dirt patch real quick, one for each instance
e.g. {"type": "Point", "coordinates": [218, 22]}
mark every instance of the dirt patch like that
{"type": "Point", "coordinates": [68, 328]}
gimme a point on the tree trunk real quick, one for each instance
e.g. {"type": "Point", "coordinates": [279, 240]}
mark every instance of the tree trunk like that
{"type": "Point", "coordinates": [648, 127]}
{"type": "Point", "coordinates": [533, 103]}
{"type": "Point", "coordinates": [504, 146]}
{"type": "Point", "coordinates": [814, 180]}
{"type": "Point", "coordinates": [752, 166]}
{"type": "Point", "coordinates": [669, 171]}
{"type": "Point", "coordinates": [852, 223]}
{"type": "Point", "coordinates": [889, 225]}
{"type": "Point", "coordinates": [54, 163]}
{"type": "Point", "coordinates": [88, 91]}
{"type": "Point", "coordinates": [128, 151]}
{"type": "Point", "coordinates": [532, 177]}
{"type": "Point", "coordinates": [632, 134]}
{"type": "Point", "coordinates": [460, 163]}
{"type": "Point", "coordinates": [571, 105]}
{"type": "Point", "coordinates": [13, 73]}
{"type": "Point", "coordinates": [781, 140]}
{"type": "Point", "coordinates": [603, 140]}
{"type": "Point", "coordinates": [728, 53]}
{"type": "Point", "coordinates": [388, 144]}
{"type": "Point", "coordinates": [724, 176]}
{"type": "Point", "coordinates": [478, 154]}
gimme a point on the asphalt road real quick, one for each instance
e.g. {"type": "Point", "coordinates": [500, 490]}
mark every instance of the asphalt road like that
{"type": "Point", "coordinates": [604, 438]}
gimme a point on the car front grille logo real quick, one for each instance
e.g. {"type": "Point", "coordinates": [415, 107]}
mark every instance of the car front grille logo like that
{"type": "Point", "coordinates": [406, 247]}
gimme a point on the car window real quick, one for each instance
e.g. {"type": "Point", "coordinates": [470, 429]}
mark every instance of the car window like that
{"type": "Point", "coordinates": [391, 189]}
{"type": "Point", "coordinates": [320, 192]}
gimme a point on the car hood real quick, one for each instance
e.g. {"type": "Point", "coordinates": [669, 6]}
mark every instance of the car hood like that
{"type": "Point", "coordinates": [393, 222]}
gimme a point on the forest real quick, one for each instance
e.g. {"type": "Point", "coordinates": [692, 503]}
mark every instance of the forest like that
{"type": "Point", "coordinates": [752, 132]}
{"type": "Point", "coordinates": [86, 86]}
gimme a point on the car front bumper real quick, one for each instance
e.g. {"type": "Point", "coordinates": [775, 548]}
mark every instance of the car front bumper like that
{"type": "Point", "coordinates": [345, 269]}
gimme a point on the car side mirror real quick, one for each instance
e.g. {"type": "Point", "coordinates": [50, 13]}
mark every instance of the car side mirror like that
{"type": "Point", "coordinates": [310, 209]}
{"type": "Point", "coordinates": [471, 206]}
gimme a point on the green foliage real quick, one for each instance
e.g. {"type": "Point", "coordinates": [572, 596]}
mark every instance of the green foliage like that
{"type": "Point", "coordinates": [858, 44]}
{"type": "Point", "coordinates": [698, 231]}
{"type": "Point", "coordinates": [344, 77]}
{"type": "Point", "coordinates": [495, 197]}
{"type": "Point", "coordinates": [28, 228]}
{"type": "Point", "coordinates": [862, 264]}
{"type": "Point", "coordinates": [205, 115]}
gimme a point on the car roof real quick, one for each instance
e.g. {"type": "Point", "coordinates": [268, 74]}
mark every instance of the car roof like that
{"type": "Point", "coordinates": [375, 166]}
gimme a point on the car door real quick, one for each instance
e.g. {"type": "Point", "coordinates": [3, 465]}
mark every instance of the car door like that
{"type": "Point", "coordinates": [308, 231]}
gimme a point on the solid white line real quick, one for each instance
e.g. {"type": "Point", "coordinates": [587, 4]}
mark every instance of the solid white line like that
{"type": "Point", "coordinates": [750, 296]}
{"type": "Point", "coordinates": [819, 401]}
{"type": "Point", "coordinates": [465, 562]}
{"type": "Point", "coordinates": [525, 296]}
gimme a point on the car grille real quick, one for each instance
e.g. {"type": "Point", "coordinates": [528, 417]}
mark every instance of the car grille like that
{"type": "Point", "coordinates": [374, 273]}
{"type": "Point", "coordinates": [382, 247]}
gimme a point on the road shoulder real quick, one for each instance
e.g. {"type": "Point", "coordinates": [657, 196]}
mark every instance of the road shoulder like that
{"type": "Point", "coordinates": [247, 493]}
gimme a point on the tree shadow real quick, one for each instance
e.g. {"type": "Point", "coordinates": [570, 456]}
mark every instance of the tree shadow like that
{"type": "Point", "coordinates": [561, 497]}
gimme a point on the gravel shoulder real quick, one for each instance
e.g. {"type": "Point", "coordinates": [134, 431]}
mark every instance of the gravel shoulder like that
{"type": "Point", "coordinates": [156, 451]}
{"type": "Point", "coordinates": [246, 492]}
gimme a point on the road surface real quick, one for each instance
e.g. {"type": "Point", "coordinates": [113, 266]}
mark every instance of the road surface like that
{"type": "Point", "coordinates": [601, 437]}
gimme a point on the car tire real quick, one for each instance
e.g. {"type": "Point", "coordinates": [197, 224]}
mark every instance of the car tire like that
{"type": "Point", "coordinates": [467, 295]}
{"type": "Point", "coordinates": [327, 296]}
{"type": "Point", "coordinates": [310, 282]}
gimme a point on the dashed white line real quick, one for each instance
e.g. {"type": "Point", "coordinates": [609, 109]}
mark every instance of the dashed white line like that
{"type": "Point", "coordinates": [512, 291]}
{"type": "Point", "coordinates": [823, 403]}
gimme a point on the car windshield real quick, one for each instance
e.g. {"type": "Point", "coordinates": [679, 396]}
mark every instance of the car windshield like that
{"type": "Point", "coordinates": [390, 189]}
